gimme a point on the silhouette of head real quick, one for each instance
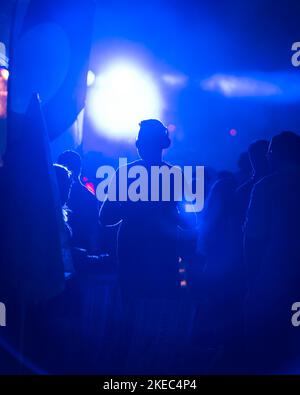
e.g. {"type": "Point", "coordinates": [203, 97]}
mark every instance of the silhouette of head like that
{"type": "Point", "coordinates": [284, 150]}
{"type": "Point", "coordinates": [152, 139]}
{"type": "Point", "coordinates": [63, 177]}
{"type": "Point", "coordinates": [72, 161]}
{"type": "Point", "coordinates": [258, 157]}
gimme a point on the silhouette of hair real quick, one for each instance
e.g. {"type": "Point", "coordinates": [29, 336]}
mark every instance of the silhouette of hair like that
{"type": "Point", "coordinates": [63, 177]}
{"type": "Point", "coordinates": [72, 161]}
{"type": "Point", "coordinates": [285, 148]}
{"type": "Point", "coordinates": [152, 132]}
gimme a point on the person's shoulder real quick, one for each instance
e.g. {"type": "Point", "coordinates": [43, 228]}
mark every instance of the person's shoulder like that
{"type": "Point", "coordinates": [266, 180]}
{"type": "Point", "coordinates": [224, 184]}
{"type": "Point", "coordinates": [140, 162]}
{"type": "Point", "coordinates": [245, 186]}
{"type": "Point", "coordinates": [169, 165]}
{"type": "Point", "coordinates": [243, 191]}
{"type": "Point", "coordinates": [84, 191]}
{"type": "Point", "coordinates": [128, 165]}
{"type": "Point", "coordinates": [80, 196]}
{"type": "Point", "coordinates": [137, 162]}
{"type": "Point", "coordinates": [265, 183]}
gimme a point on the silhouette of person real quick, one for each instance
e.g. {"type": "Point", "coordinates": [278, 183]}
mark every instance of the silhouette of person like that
{"type": "Point", "coordinates": [147, 251]}
{"type": "Point", "coordinates": [83, 214]}
{"type": "Point", "coordinates": [63, 177]}
{"type": "Point", "coordinates": [258, 158]}
{"type": "Point", "coordinates": [221, 285]}
{"type": "Point", "coordinates": [83, 261]}
{"type": "Point", "coordinates": [148, 266]}
{"type": "Point", "coordinates": [272, 252]}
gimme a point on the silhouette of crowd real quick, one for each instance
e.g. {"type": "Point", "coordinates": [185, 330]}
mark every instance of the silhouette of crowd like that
{"type": "Point", "coordinates": [207, 292]}
{"type": "Point", "coordinates": [156, 289]}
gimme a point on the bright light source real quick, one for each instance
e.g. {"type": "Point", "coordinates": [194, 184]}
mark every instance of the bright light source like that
{"type": "Point", "coordinates": [120, 98]}
{"type": "Point", "coordinates": [90, 78]}
{"type": "Point", "coordinates": [4, 74]}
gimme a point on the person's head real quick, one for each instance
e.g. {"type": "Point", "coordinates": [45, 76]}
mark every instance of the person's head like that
{"type": "Point", "coordinates": [284, 150]}
{"type": "Point", "coordinates": [258, 157]}
{"type": "Point", "coordinates": [153, 138]}
{"type": "Point", "coordinates": [63, 177]}
{"type": "Point", "coordinates": [72, 161]}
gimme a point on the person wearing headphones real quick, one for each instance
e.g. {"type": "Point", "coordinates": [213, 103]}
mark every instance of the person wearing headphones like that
{"type": "Point", "coordinates": [147, 238]}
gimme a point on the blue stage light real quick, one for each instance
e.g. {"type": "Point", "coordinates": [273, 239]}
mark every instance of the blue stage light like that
{"type": "Point", "coordinates": [121, 96]}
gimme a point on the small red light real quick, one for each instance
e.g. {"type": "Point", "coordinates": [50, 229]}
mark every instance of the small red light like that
{"type": "Point", "coordinates": [233, 132]}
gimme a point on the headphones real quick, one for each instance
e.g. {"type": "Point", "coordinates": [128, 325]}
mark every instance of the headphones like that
{"type": "Point", "coordinates": [163, 140]}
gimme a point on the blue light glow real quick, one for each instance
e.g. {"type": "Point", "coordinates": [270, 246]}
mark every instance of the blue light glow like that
{"type": "Point", "coordinates": [121, 96]}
